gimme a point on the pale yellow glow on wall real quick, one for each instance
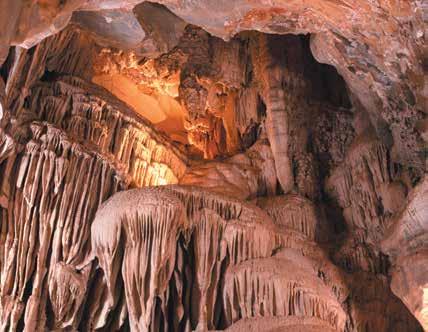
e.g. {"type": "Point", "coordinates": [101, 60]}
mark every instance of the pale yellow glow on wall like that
{"type": "Point", "coordinates": [127, 91]}
{"type": "Point", "coordinates": [161, 110]}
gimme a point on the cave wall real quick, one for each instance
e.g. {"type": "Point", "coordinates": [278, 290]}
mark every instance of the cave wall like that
{"type": "Point", "coordinates": [299, 198]}
{"type": "Point", "coordinates": [378, 47]}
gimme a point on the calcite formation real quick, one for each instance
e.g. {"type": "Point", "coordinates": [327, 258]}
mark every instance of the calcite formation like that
{"type": "Point", "coordinates": [213, 233]}
{"type": "Point", "coordinates": [406, 242]}
{"type": "Point", "coordinates": [213, 166]}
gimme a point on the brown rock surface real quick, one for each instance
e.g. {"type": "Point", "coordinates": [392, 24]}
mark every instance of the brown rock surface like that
{"type": "Point", "coordinates": [406, 241]}
{"type": "Point", "coordinates": [377, 47]}
{"type": "Point", "coordinates": [190, 166]}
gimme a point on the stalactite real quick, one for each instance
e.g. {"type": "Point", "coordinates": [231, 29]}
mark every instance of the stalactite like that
{"type": "Point", "coordinates": [149, 224]}
{"type": "Point", "coordinates": [218, 231]}
{"type": "Point", "coordinates": [367, 160]}
{"type": "Point", "coordinates": [277, 121]}
{"type": "Point", "coordinates": [65, 169]}
{"type": "Point", "coordinates": [370, 189]}
{"type": "Point", "coordinates": [68, 52]}
{"type": "Point", "coordinates": [292, 212]}
{"type": "Point", "coordinates": [209, 252]}
{"type": "Point", "coordinates": [105, 123]}
{"type": "Point", "coordinates": [47, 210]}
{"type": "Point", "coordinates": [265, 287]}
{"type": "Point", "coordinates": [307, 217]}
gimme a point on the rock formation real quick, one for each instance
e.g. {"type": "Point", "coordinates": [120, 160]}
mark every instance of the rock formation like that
{"type": "Point", "coordinates": [213, 165]}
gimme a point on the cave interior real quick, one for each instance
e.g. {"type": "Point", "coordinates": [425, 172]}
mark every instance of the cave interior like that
{"type": "Point", "coordinates": [206, 166]}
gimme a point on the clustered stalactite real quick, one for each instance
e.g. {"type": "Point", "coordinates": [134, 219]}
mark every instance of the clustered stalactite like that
{"type": "Point", "coordinates": [213, 250]}
{"type": "Point", "coordinates": [47, 205]}
{"type": "Point", "coordinates": [259, 84]}
{"type": "Point", "coordinates": [58, 186]}
{"type": "Point", "coordinates": [111, 127]}
{"type": "Point", "coordinates": [68, 147]}
{"type": "Point", "coordinates": [290, 204]}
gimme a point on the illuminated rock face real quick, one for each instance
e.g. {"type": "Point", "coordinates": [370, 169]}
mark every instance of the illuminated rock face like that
{"type": "Point", "coordinates": [76, 145]}
{"type": "Point", "coordinates": [378, 47]}
{"type": "Point", "coordinates": [155, 177]}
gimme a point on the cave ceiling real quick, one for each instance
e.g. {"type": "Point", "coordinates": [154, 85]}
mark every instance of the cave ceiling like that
{"type": "Point", "coordinates": [207, 165]}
